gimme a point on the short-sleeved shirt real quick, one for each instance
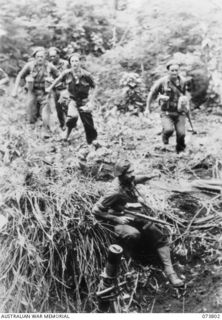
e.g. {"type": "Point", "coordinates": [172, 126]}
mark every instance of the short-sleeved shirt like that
{"type": "Point", "coordinates": [166, 87]}
{"type": "Point", "coordinates": [40, 73]}
{"type": "Point", "coordinates": [78, 85]}
{"type": "Point", "coordinates": [116, 198]}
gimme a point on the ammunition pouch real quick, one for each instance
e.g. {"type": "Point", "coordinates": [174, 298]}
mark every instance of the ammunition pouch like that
{"type": "Point", "coordinates": [48, 82]}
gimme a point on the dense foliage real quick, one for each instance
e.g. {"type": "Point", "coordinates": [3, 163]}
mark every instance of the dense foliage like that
{"type": "Point", "coordinates": [154, 33]}
{"type": "Point", "coordinates": [53, 248]}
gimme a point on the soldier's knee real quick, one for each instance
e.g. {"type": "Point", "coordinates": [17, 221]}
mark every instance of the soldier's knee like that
{"type": "Point", "coordinates": [180, 136]}
{"type": "Point", "coordinates": [128, 232]}
{"type": "Point", "coordinates": [167, 133]}
{"type": "Point", "coordinates": [71, 122]}
{"type": "Point", "coordinates": [134, 235]}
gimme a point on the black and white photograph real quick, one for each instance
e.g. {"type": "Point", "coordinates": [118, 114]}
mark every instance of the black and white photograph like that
{"type": "Point", "coordinates": [111, 158]}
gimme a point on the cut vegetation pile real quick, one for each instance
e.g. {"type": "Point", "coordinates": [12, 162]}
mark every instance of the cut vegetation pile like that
{"type": "Point", "coordinates": [52, 248]}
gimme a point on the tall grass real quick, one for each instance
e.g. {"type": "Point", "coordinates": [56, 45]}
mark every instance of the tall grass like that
{"type": "Point", "coordinates": [52, 247]}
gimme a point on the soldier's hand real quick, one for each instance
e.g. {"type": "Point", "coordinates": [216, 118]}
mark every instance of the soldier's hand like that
{"type": "Point", "coordinates": [47, 90]}
{"type": "Point", "coordinates": [86, 108]}
{"type": "Point", "coordinates": [133, 205]}
{"type": "Point", "coordinates": [122, 220]}
{"type": "Point", "coordinates": [90, 106]}
{"type": "Point", "coordinates": [64, 97]}
{"type": "Point", "coordinates": [147, 112]}
{"type": "Point", "coordinates": [163, 97]}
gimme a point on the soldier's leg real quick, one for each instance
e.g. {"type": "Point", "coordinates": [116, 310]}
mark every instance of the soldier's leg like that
{"type": "Point", "coordinates": [32, 110]}
{"type": "Point", "coordinates": [71, 124]}
{"type": "Point", "coordinates": [72, 118]}
{"type": "Point", "coordinates": [152, 234]}
{"type": "Point", "coordinates": [129, 238]}
{"type": "Point", "coordinates": [59, 109]}
{"type": "Point", "coordinates": [45, 111]}
{"type": "Point", "coordinates": [168, 127]}
{"type": "Point", "coordinates": [180, 133]}
{"type": "Point", "coordinates": [90, 131]}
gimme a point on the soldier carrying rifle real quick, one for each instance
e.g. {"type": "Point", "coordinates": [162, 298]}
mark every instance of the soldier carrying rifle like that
{"type": "Point", "coordinates": [134, 233]}
{"type": "Point", "coordinates": [172, 92]}
{"type": "Point", "coordinates": [39, 73]}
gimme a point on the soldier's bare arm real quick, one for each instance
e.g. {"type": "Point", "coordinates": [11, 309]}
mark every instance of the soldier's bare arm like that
{"type": "Point", "coordinates": [154, 91]}
{"type": "Point", "coordinates": [144, 179]}
{"type": "Point", "coordinates": [103, 209]}
{"type": "Point", "coordinates": [22, 74]}
{"type": "Point", "coordinates": [3, 77]}
{"type": "Point", "coordinates": [56, 81]}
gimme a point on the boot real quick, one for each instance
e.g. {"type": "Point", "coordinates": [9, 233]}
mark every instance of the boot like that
{"type": "Point", "coordinates": [180, 146]}
{"type": "Point", "coordinates": [164, 254]}
{"type": "Point", "coordinates": [45, 132]}
{"type": "Point", "coordinates": [165, 139]}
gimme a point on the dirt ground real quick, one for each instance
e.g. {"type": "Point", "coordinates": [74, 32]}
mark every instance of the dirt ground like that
{"type": "Point", "coordinates": [203, 292]}
{"type": "Point", "coordinates": [140, 138]}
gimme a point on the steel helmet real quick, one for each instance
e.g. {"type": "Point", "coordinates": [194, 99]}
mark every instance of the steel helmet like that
{"type": "Point", "coordinates": [121, 167]}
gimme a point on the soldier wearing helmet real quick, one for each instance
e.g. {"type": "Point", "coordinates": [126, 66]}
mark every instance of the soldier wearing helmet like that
{"type": "Point", "coordinates": [172, 93]}
{"type": "Point", "coordinates": [133, 233]}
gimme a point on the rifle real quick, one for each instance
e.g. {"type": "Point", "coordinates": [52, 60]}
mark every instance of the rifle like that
{"type": "Point", "coordinates": [188, 112]}
{"type": "Point", "coordinates": [143, 216]}
{"type": "Point", "coordinates": [189, 119]}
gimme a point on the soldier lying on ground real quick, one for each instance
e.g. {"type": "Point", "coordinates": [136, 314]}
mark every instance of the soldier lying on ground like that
{"type": "Point", "coordinates": [134, 233]}
{"type": "Point", "coordinates": [80, 85]}
{"type": "Point", "coordinates": [38, 74]}
{"type": "Point", "coordinates": [172, 93]}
